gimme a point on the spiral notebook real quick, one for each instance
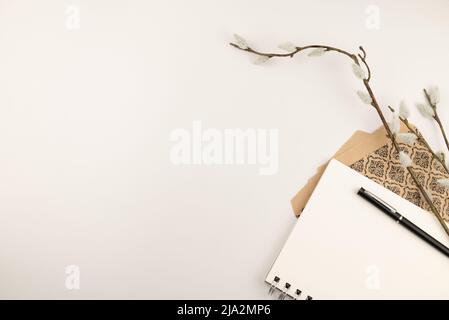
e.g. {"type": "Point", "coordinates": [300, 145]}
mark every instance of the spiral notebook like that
{"type": "Point", "coordinates": [342, 247]}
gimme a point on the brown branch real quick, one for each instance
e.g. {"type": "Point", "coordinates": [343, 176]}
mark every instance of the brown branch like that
{"type": "Point", "coordinates": [443, 132]}
{"type": "Point", "coordinates": [437, 118]}
{"type": "Point", "coordinates": [298, 49]}
{"type": "Point", "coordinates": [363, 51]}
{"type": "Point", "coordinates": [396, 146]}
{"type": "Point", "coordinates": [374, 103]}
{"type": "Point", "coordinates": [409, 169]}
{"type": "Point", "coordinates": [363, 58]}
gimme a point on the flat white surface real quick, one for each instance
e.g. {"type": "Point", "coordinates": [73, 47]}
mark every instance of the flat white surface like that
{"type": "Point", "coordinates": [86, 116]}
{"type": "Point", "coordinates": [343, 247]}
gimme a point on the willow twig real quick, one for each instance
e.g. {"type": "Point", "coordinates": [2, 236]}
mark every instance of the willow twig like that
{"type": "Point", "coordinates": [298, 50]}
{"type": "Point", "coordinates": [355, 58]}
{"type": "Point", "coordinates": [437, 118]}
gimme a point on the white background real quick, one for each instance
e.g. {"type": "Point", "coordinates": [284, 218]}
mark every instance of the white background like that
{"type": "Point", "coordinates": [86, 116]}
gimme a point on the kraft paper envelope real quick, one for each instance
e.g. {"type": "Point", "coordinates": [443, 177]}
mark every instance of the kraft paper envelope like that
{"type": "Point", "coordinates": [371, 141]}
{"type": "Point", "coordinates": [372, 155]}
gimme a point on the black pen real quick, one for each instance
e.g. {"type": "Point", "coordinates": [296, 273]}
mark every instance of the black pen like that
{"type": "Point", "coordinates": [392, 212]}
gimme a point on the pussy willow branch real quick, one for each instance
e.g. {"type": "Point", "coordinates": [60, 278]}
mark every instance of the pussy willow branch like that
{"type": "Point", "coordinates": [421, 138]}
{"type": "Point", "coordinates": [392, 137]}
{"type": "Point", "coordinates": [374, 103]}
{"type": "Point", "coordinates": [298, 49]}
{"type": "Point", "coordinates": [437, 118]}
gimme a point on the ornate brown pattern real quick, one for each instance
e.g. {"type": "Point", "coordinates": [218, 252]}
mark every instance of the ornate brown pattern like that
{"type": "Point", "coordinates": [383, 166]}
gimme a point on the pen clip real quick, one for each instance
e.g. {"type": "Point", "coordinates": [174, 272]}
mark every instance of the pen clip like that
{"type": "Point", "coordinates": [373, 196]}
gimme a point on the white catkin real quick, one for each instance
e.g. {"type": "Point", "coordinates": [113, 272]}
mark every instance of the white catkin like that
{"type": "Point", "coordinates": [426, 110]}
{"type": "Point", "coordinates": [406, 137]}
{"type": "Point", "coordinates": [287, 46]}
{"type": "Point", "coordinates": [317, 52]}
{"type": "Point", "coordinates": [443, 182]}
{"type": "Point", "coordinates": [358, 71]}
{"type": "Point", "coordinates": [405, 159]}
{"type": "Point", "coordinates": [261, 60]}
{"type": "Point", "coordinates": [365, 97]}
{"type": "Point", "coordinates": [240, 42]}
{"type": "Point", "coordinates": [395, 124]}
{"type": "Point", "coordinates": [404, 111]}
{"type": "Point", "coordinates": [434, 95]}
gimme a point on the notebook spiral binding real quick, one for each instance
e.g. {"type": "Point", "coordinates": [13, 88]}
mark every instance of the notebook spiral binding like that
{"type": "Point", "coordinates": [285, 291]}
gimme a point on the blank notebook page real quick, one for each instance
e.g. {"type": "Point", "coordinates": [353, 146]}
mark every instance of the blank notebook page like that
{"type": "Point", "coordinates": [342, 247]}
